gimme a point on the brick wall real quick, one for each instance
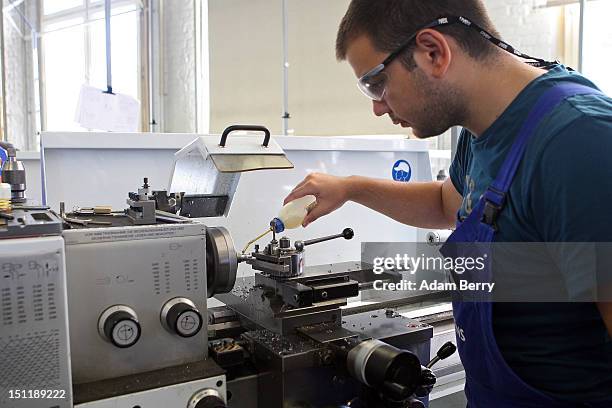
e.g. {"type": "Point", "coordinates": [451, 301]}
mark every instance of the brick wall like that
{"type": "Point", "coordinates": [178, 40]}
{"type": "Point", "coordinates": [531, 29]}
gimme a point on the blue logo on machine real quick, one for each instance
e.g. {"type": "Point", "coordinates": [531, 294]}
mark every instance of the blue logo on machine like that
{"type": "Point", "coordinates": [401, 171]}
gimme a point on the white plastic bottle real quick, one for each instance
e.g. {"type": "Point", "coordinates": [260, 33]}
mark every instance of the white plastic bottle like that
{"type": "Point", "coordinates": [293, 213]}
{"type": "Point", "coordinates": [5, 197]}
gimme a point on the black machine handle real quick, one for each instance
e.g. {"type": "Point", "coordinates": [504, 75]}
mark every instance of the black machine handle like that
{"type": "Point", "coordinates": [346, 234]}
{"type": "Point", "coordinates": [255, 128]}
{"type": "Point", "coordinates": [447, 350]}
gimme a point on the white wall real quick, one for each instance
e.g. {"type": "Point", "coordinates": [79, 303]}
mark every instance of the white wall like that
{"type": "Point", "coordinates": [246, 69]}
{"type": "Point", "coordinates": [531, 29]}
{"type": "Point", "coordinates": [246, 57]}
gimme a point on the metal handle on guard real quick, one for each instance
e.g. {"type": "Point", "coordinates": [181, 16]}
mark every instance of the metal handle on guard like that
{"type": "Point", "coordinates": [255, 128]}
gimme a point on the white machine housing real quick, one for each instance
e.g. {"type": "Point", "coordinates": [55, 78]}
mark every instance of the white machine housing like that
{"type": "Point", "coordinates": [118, 162]}
{"type": "Point", "coordinates": [34, 346]}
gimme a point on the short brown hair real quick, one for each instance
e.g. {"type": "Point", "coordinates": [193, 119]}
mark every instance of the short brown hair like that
{"type": "Point", "coordinates": [389, 23]}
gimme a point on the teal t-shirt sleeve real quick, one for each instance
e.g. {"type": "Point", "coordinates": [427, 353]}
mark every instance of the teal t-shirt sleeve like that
{"type": "Point", "coordinates": [459, 166]}
{"type": "Point", "coordinates": [571, 201]}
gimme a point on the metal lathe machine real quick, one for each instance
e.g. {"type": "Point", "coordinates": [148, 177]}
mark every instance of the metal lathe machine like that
{"type": "Point", "coordinates": [103, 308]}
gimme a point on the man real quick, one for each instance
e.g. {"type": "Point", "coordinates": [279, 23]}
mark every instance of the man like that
{"type": "Point", "coordinates": [434, 64]}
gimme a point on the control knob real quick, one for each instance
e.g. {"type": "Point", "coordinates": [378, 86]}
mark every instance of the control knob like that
{"type": "Point", "coordinates": [119, 325]}
{"type": "Point", "coordinates": [181, 316]}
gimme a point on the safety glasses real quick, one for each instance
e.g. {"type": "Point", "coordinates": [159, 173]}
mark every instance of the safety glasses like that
{"type": "Point", "coordinates": [374, 83]}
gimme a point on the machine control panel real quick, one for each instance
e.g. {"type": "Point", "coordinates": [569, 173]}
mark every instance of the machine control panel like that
{"type": "Point", "coordinates": [180, 316]}
{"type": "Point", "coordinates": [119, 325]}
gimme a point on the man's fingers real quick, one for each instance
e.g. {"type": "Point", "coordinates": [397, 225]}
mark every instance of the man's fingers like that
{"type": "Point", "coordinates": [314, 214]}
{"type": "Point", "coordinates": [301, 183]}
{"type": "Point", "coordinates": [292, 195]}
{"type": "Point", "coordinates": [299, 192]}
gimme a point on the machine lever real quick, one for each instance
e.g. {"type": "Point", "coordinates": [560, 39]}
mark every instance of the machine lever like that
{"type": "Point", "coordinates": [447, 350]}
{"type": "Point", "coordinates": [346, 234]}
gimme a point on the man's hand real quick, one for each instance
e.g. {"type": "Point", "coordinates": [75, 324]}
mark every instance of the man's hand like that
{"type": "Point", "coordinates": [331, 192]}
{"type": "Point", "coordinates": [424, 205]}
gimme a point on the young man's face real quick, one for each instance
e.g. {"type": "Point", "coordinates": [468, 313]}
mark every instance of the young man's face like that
{"type": "Point", "coordinates": [410, 99]}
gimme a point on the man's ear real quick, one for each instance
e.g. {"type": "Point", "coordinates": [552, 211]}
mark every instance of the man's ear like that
{"type": "Point", "coordinates": [432, 52]}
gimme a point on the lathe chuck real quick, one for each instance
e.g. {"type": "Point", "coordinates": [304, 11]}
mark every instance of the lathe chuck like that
{"type": "Point", "coordinates": [221, 261]}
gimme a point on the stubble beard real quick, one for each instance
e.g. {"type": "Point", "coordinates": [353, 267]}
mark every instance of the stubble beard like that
{"type": "Point", "coordinates": [440, 109]}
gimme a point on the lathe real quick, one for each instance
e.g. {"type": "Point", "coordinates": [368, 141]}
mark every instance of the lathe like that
{"type": "Point", "coordinates": [123, 298]}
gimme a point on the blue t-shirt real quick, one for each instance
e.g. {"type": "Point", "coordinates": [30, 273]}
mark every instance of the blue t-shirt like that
{"type": "Point", "coordinates": [562, 192]}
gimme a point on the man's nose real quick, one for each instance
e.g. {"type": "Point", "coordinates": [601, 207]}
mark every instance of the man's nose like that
{"type": "Point", "coordinates": [380, 108]}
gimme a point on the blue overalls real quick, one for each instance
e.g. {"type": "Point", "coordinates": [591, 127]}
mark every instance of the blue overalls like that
{"type": "Point", "coordinates": [490, 382]}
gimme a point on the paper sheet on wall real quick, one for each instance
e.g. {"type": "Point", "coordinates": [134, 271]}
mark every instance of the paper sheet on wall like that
{"type": "Point", "coordinates": [109, 112]}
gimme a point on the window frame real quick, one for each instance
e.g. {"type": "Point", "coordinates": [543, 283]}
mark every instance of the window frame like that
{"type": "Point", "coordinates": [85, 11]}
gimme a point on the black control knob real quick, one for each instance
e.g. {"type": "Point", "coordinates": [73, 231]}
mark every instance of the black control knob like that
{"type": "Point", "coordinates": [119, 325]}
{"type": "Point", "coordinates": [348, 233]}
{"type": "Point", "coordinates": [181, 316]}
{"type": "Point", "coordinates": [208, 398]}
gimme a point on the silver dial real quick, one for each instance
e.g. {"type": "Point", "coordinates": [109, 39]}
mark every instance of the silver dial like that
{"type": "Point", "coordinates": [119, 325]}
{"type": "Point", "coordinates": [181, 316]}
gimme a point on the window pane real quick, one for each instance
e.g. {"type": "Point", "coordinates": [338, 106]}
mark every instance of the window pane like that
{"type": "Point", "coordinates": [598, 43]}
{"type": "Point", "coordinates": [64, 74]}
{"type": "Point", "coordinates": [54, 6]}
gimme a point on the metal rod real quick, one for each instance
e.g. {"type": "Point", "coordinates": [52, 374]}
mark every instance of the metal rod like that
{"type": "Point", "coordinates": [581, 36]}
{"type": "Point", "coordinates": [160, 56]}
{"type": "Point", "coordinates": [433, 361]}
{"type": "Point", "coordinates": [248, 244]}
{"type": "Point", "coordinates": [286, 115]}
{"type": "Point", "coordinates": [42, 95]}
{"type": "Point", "coordinates": [322, 239]}
{"type": "Point", "coordinates": [150, 65]}
{"type": "Point", "coordinates": [3, 79]}
{"type": "Point", "coordinates": [107, 19]}
{"type": "Point", "coordinates": [143, 66]}
{"type": "Point", "coordinates": [197, 61]}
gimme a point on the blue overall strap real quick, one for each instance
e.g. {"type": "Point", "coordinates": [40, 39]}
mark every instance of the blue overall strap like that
{"type": "Point", "coordinates": [495, 195]}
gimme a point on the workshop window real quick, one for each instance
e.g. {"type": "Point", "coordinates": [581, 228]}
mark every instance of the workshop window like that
{"type": "Point", "coordinates": [75, 54]}
{"type": "Point", "coordinates": [598, 43]}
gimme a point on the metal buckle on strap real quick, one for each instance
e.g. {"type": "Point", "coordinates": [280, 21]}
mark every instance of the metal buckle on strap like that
{"type": "Point", "coordinates": [490, 213]}
{"type": "Point", "coordinates": [500, 196]}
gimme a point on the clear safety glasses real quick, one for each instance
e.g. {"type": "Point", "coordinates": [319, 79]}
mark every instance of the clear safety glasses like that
{"type": "Point", "coordinates": [374, 83]}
